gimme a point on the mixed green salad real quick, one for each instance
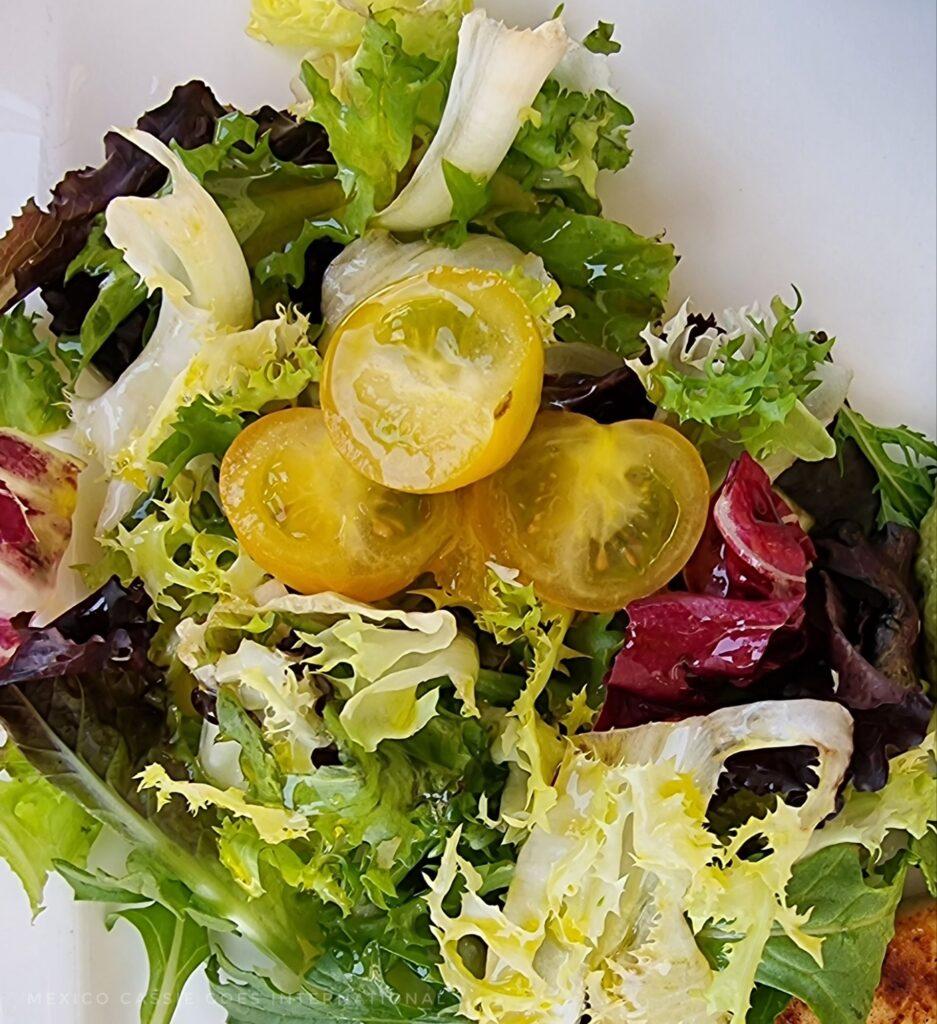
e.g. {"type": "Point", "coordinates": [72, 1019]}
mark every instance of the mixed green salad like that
{"type": "Point", "coordinates": [403, 620]}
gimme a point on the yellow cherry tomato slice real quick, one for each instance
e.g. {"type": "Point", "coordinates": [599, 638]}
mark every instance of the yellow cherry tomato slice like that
{"type": "Point", "coordinates": [434, 382]}
{"type": "Point", "coordinates": [595, 516]}
{"type": "Point", "coordinates": [308, 518]}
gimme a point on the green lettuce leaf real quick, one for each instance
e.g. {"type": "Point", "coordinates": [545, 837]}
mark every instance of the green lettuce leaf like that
{"type": "Point", "coordinates": [570, 136]}
{"type": "Point", "coordinates": [927, 577]}
{"type": "Point", "coordinates": [31, 386]}
{"type": "Point", "coordinates": [600, 40]}
{"type": "Point", "coordinates": [373, 121]}
{"type": "Point", "coordinates": [350, 988]}
{"type": "Point", "coordinates": [903, 809]}
{"type": "Point", "coordinates": [175, 947]}
{"type": "Point", "coordinates": [330, 26]}
{"type": "Point", "coordinates": [199, 429]}
{"type": "Point", "coordinates": [90, 736]}
{"type": "Point", "coordinates": [905, 461]}
{"type": "Point", "coordinates": [762, 386]}
{"type": "Point", "coordinates": [39, 825]}
{"type": "Point", "coordinates": [272, 205]}
{"type": "Point", "coordinates": [615, 281]}
{"type": "Point", "coordinates": [854, 914]}
{"type": "Point", "coordinates": [120, 292]}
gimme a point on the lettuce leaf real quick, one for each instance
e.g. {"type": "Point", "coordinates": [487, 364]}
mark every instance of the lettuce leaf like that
{"type": "Point", "coordinates": [377, 260]}
{"type": "Point", "coordinates": [382, 661]}
{"type": "Point", "coordinates": [175, 556]}
{"type": "Point", "coordinates": [31, 387]}
{"type": "Point", "coordinates": [575, 129]}
{"type": "Point", "coordinates": [90, 732]}
{"type": "Point", "coordinates": [902, 810]}
{"type": "Point", "coordinates": [335, 28]}
{"type": "Point", "coordinates": [854, 914]}
{"type": "Point", "coordinates": [119, 292]}
{"type": "Point", "coordinates": [497, 76]}
{"type": "Point", "coordinates": [181, 243]}
{"type": "Point", "coordinates": [373, 119]}
{"type": "Point", "coordinates": [758, 384]}
{"type": "Point", "coordinates": [42, 243]}
{"type": "Point", "coordinates": [175, 947]}
{"type": "Point", "coordinates": [39, 825]}
{"type": "Point", "coordinates": [615, 281]}
{"type": "Point", "coordinates": [927, 578]}
{"type": "Point", "coordinates": [905, 461]}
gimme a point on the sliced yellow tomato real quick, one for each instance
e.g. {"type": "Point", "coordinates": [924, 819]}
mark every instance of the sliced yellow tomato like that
{"type": "Point", "coordinates": [595, 516]}
{"type": "Point", "coordinates": [434, 382]}
{"type": "Point", "coordinates": [308, 518]}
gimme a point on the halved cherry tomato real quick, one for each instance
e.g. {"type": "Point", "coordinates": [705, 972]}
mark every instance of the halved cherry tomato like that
{"type": "Point", "coordinates": [308, 518]}
{"type": "Point", "coordinates": [434, 382]}
{"type": "Point", "coordinates": [595, 516]}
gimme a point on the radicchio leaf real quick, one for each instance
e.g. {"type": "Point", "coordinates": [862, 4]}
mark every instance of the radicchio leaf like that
{"type": "Point", "coordinates": [40, 244]}
{"type": "Point", "coordinates": [38, 492]}
{"type": "Point", "coordinates": [739, 617]}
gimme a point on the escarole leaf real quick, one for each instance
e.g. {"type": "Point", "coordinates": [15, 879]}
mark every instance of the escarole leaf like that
{"type": "Point", "coordinates": [31, 386]}
{"type": "Point", "coordinates": [756, 384]}
{"type": "Point", "coordinates": [380, 660]}
{"type": "Point", "coordinates": [497, 76]}
{"type": "Point", "coordinates": [181, 243]}
{"type": "Point", "coordinates": [615, 281]}
{"type": "Point", "coordinates": [904, 460]}
{"type": "Point", "coordinates": [629, 821]}
{"type": "Point", "coordinates": [175, 947]}
{"type": "Point", "coordinates": [39, 825]}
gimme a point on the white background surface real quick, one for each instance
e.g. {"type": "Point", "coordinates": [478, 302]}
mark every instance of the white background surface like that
{"type": "Point", "coordinates": [777, 141]}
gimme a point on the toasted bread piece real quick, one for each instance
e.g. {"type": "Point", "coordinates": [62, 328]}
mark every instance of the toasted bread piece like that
{"type": "Point", "coordinates": [907, 993]}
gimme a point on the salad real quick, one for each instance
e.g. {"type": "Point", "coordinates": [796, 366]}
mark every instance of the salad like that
{"type": "Point", "coordinates": [401, 618]}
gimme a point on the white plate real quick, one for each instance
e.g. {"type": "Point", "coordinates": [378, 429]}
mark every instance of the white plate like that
{"type": "Point", "coordinates": [780, 141]}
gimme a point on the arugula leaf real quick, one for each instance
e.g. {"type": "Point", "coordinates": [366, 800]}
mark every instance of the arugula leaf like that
{"type": "Point", "coordinates": [120, 292]}
{"type": "Point", "coordinates": [905, 461]}
{"type": "Point", "coordinates": [39, 825]}
{"type": "Point", "coordinates": [199, 429]}
{"type": "Point", "coordinates": [600, 40]}
{"type": "Point", "coordinates": [175, 947]}
{"type": "Point", "coordinates": [855, 917]}
{"type": "Point", "coordinates": [372, 126]}
{"type": "Point", "coordinates": [615, 280]}
{"type": "Point", "coordinates": [31, 387]}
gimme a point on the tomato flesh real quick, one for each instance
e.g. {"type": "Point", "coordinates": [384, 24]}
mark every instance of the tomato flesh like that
{"type": "Point", "coordinates": [434, 382]}
{"type": "Point", "coordinates": [308, 518]}
{"type": "Point", "coordinates": [594, 515]}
